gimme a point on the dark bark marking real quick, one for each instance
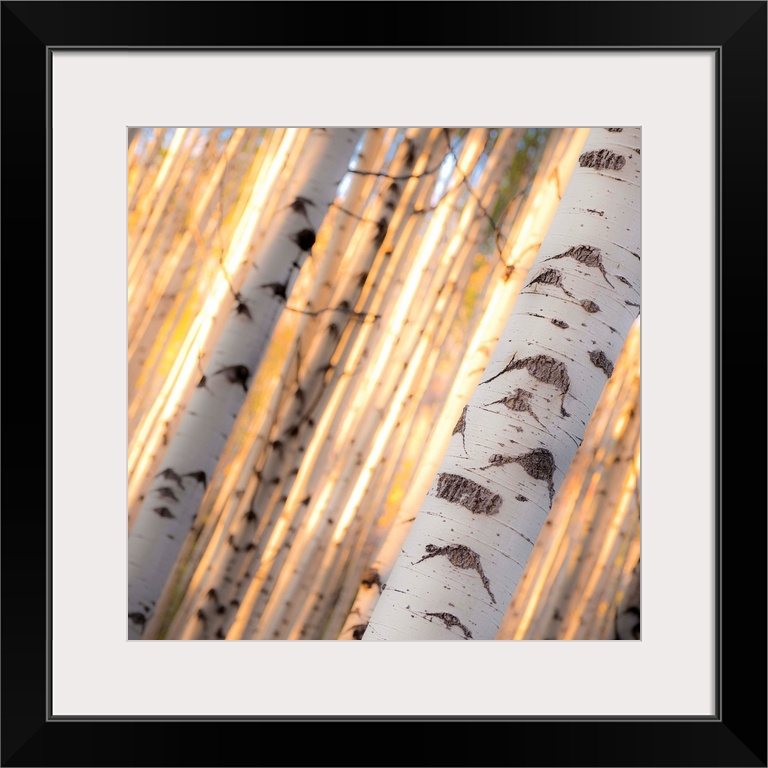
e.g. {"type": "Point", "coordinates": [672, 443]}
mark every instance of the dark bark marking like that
{"type": "Point", "coordinates": [167, 493]}
{"type": "Point", "coordinates": [625, 625]}
{"type": "Point", "coordinates": [520, 497]}
{"type": "Point", "coordinates": [538, 463]}
{"type": "Point", "coordinates": [164, 512]}
{"type": "Point", "coordinates": [544, 369]}
{"type": "Point", "coordinates": [235, 374]}
{"type": "Point", "coordinates": [599, 360]}
{"type": "Point", "coordinates": [451, 621]}
{"type": "Point", "coordinates": [381, 231]}
{"type": "Point", "coordinates": [596, 212]}
{"type": "Point", "coordinates": [251, 516]}
{"type": "Point", "coordinates": [590, 306]}
{"type": "Point", "coordinates": [624, 280]}
{"type": "Point", "coordinates": [550, 277]}
{"type": "Point", "coordinates": [138, 618]}
{"type": "Point", "coordinates": [242, 309]}
{"type": "Point", "coordinates": [602, 158]}
{"type": "Point", "coordinates": [410, 157]}
{"type": "Point", "coordinates": [358, 630]}
{"type": "Point", "coordinates": [467, 493]}
{"type": "Point", "coordinates": [614, 130]}
{"type": "Point", "coordinates": [372, 578]}
{"type": "Point", "coordinates": [279, 290]}
{"type": "Point", "coordinates": [169, 474]}
{"type": "Point", "coordinates": [520, 401]}
{"type": "Point", "coordinates": [632, 304]}
{"type": "Point", "coordinates": [461, 425]}
{"type": "Point", "coordinates": [299, 205]}
{"type": "Point", "coordinates": [587, 255]}
{"type": "Point", "coordinates": [460, 557]}
{"type": "Point", "coordinates": [560, 323]}
{"type": "Point", "coordinates": [305, 239]}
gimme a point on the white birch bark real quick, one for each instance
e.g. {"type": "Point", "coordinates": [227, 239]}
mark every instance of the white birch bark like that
{"type": "Point", "coordinates": [472, 537]}
{"type": "Point", "coordinates": [358, 418]}
{"type": "Point", "coordinates": [309, 481]}
{"type": "Point", "coordinates": [225, 502]}
{"type": "Point", "coordinates": [171, 503]}
{"type": "Point", "coordinates": [571, 583]}
{"type": "Point", "coordinates": [533, 217]}
{"type": "Point", "coordinates": [204, 326]}
{"type": "Point", "coordinates": [301, 410]}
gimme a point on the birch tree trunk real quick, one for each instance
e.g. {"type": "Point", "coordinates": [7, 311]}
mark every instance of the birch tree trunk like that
{"type": "Point", "coordinates": [198, 325]}
{"type": "Point", "coordinates": [502, 287]}
{"type": "Point", "coordinates": [579, 569]}
{"type": "Point", "coordinates": [295, 427]}
{"type": "Point", "coordinates": [519, 432]}
{"type": "Point", "coordinates": [171, 503]}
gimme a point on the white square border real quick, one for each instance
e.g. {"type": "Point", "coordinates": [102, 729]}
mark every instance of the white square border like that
{"type": "Point", "coordinates": [96, 95]}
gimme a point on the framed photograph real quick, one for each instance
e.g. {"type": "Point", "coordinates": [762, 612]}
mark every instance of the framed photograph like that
{"type": "Point", "coordinates": [80, 79]}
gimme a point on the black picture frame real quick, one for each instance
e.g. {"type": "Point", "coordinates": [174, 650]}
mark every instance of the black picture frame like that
{"type": "Point", "coordinates": [736, 736]}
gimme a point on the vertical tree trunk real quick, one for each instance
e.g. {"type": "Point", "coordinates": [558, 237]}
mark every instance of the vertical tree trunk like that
{"type": "Point", "coordinates": [529, 224]}
{"type": "Point", "coordinates": [199, 327]}
{"type": "Point", "coordinates": [579, 568]}
{"type": "Point", "coordinates": [510, 450]}
{"type": "Point", "coordinates": [171, 503]}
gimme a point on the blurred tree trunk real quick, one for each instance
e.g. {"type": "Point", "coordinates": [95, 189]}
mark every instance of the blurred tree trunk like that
{"type": "Point", "coordinates": [190, 459]}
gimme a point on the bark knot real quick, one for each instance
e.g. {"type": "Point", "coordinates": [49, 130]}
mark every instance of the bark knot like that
{"type": "Point", "coordinates": [602, 158]}
{"type": "Point", "coordinates": [467, 493]}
